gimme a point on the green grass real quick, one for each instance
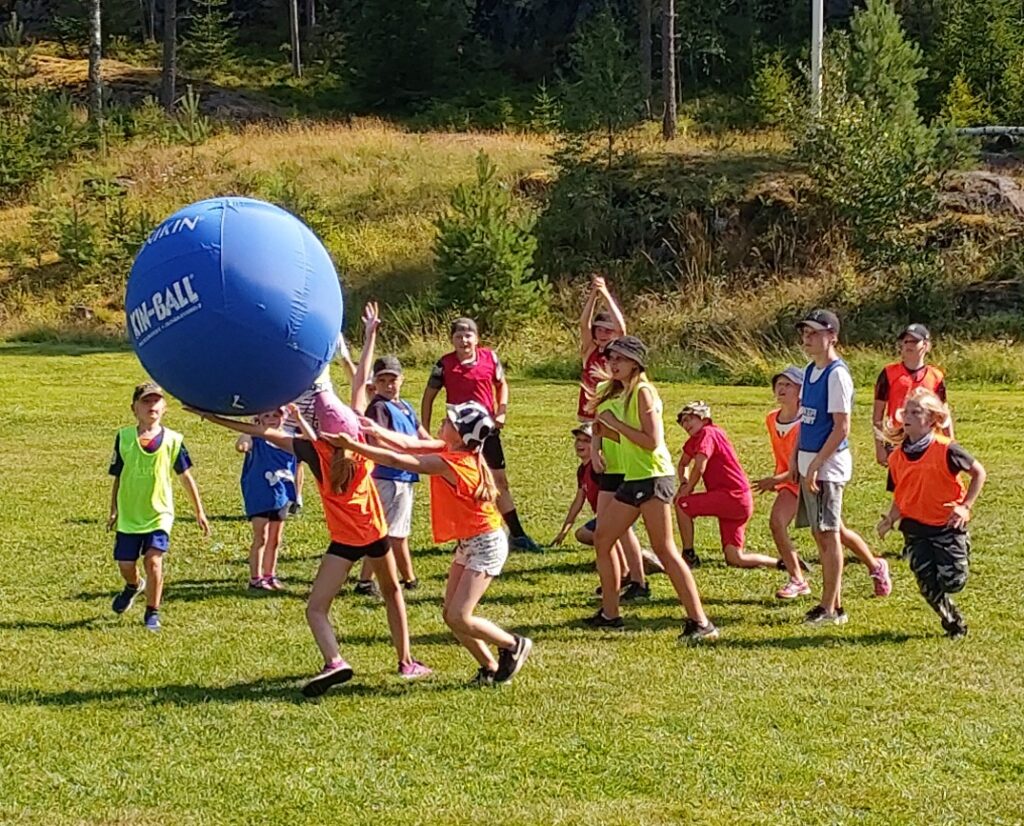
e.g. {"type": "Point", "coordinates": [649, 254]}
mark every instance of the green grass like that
{"type": "Point", "coordinates": [882, 721]}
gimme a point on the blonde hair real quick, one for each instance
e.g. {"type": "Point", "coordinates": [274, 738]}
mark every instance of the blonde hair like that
{"type": "Point", "coordinates": [894, 433]}
{"type": "Point", "coordinates": [342, 470]}
{"type": "Point", "coordinates": [487, 489]}
{"type": "Point", "coordinates": [614, 388]}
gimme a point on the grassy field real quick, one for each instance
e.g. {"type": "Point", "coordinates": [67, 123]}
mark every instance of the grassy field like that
{"type": "Point", "coordinates": [881, 721]}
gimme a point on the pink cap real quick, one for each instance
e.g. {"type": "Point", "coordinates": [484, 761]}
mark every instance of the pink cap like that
{"type": "Point", "coordinates": [334, 416]}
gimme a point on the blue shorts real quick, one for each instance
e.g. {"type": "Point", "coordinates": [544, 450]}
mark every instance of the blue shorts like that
{"type": "Point", "coordinates": [591, 525]}
{"type": "Point", "coordinates": [128, 547]}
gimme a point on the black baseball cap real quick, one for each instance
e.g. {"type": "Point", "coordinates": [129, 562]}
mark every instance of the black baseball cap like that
{"type": "Point", "coordinates": [605, 320]}
{"type": "Point", "coordinates": [918, 331]}
{"type": "Point", "coordinates": [462, 325]}
{"type": "Point", "coordinates": [147, 388]}
{"type": "Point", "coordinates": [632, 348]}
{"type": "Point", "coordinates": [584, 429]}
{"type": "Point", "coordinates": [820, 320]}
{"type": "Point", "coordinates": [387, 364]}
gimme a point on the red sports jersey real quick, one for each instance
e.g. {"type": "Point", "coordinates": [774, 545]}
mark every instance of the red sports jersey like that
{"type": "Point", "coordinates": [471, 382]}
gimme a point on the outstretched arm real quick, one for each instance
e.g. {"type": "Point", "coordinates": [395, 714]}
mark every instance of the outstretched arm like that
{"type": "Point", "coordinates": [276, 437]}
{"type": "Point", "coordinates": [430, 465]}
{"type": "Point", "coordinates": [402, 441]}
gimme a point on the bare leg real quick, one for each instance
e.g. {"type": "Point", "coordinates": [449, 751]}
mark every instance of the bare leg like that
{"type": "Point", "coordinates": [615, 518]}
{"type": "Point", "coordinates": [366, 570]}
{"type": "Point", "coordinates": [460, 604]}
{"type": "Point", "coordinates": [633, 556]}
{"type": "Point", "coordinates": [686, 532]}
{"type": "Point", "coordinates": [481, 653]}
{"type": "Point", "coordinates": [154, 564]}
{"type": "Point", "coordinates": [129, 572]}
{"type": "Point", "coordinates": [658, 521]}
{"type": "Point", "coordinates": [831, 568]}
{"type": "Point", "coordinates": [300, 475]}
{"type": "Point", "coordinates": [403, 559]}
{"type": "Point", "coordinates": [394, 604]}
{"type": "Point", "coordinates": [259, 544]}
{"type": "Point", "coordinates": [329, 578]}
{"type": "Point", "coordinates": [739, 558]}
{"type": "Point", "coordinates": [274, 531]}
{"type": "Point", "coordinates": [783, 513]}
{"type": "Point", "coordinates": [855, 542]}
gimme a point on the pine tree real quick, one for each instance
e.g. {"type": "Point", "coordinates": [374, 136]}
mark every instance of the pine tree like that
{"type": "Point", "coordinates": [961, 107]}
{"type": "Point", "coordinates": [211, 37]}
{"type": "Point", "coordinates": [885, 67]}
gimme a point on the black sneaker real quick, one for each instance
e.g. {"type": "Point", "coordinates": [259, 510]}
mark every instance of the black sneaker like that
{"type": "Point", "coordinates": [691, 559]}
{"type": "Point", "coordinates": [692, 632]}
{"type": "Point", "coordinates": [368, 588]}
{"type": "Point", "coordinates": [295, 509]}
{"type": "Point", "coordinates": [956, 629]}
{"type": "Point", "coordinates": [411, 584]}
{"type": "Point", "coordinates": [634, 591]}
{"type": "Point", "coordinates": [622, 584]}
{"type": "Point", "coordinates": [123, 601]}
{"type": "Point", "coordinates": [510, 660]}
{"type": "Point", "coordinates": [599, 620]}
{"type": "Point", "coordinates": [484, 677]}
{"type": "Point", "coordinates": [525, 543]}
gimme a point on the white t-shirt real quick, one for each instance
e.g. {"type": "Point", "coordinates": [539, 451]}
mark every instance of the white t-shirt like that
{"type": "Point", "coordinates": [839, 466]}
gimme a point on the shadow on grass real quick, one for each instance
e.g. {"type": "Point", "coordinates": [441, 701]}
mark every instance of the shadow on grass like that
{"type": "Point", "coordinates": [50, 625]}
{"type": "Point", "coordinates": [63, 348]}
{"type": "Point", "coordinates": [823, 640]}
{"type": "Point", "coordinates": [283, 689]}
{"type": "Point", "coordinates": [194, 590]}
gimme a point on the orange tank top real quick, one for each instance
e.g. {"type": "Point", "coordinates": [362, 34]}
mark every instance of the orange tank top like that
{"type": "Point", "coordinates": [454, 511]}
{"type": "Point", "coordinates": [902, 381]}
{"type": "Point", "coordinates": [355, 517]}
{"type": "Point", "coordinates": [923, 487]}
{"type": "Point", "coordinates": [782, 449]}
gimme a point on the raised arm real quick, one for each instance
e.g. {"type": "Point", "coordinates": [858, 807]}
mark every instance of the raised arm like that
{"type": "Point", "coordinates": [371, 321]}
{"type": "Point", "coordinates": [587, 318]}
{"type": "Point", "coordinates": [305, 428]}
{"type": "Point", "coordinates": [344, 357]}
{"type": "Point", "coordinates": [278, 438]}
{"type": "Point", "coordinates": [613, 307]}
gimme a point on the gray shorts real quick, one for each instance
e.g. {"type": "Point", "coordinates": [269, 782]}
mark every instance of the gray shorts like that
{"type": "Point", "coordinates": [396, 497]}
{"type": "Point", "coordinates": [822, 511]}
{"type": "Point", "coordinates": [485, 552]}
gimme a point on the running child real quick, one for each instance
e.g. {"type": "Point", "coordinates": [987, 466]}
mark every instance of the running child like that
{"type": "Point", "coordinates": [783, 426]}
{"type": "Point", "coordinates": [709, 457]}
{"type": "Point", "coordinates": [647, 490]}
{"type": "Point", "coordinates": [930, 504]}
{"type": "Point", "coordinates": [896, 381]}
{"type": "Point", "coordinates": [823, 464]}
{"type": "Point", "coordinates": [462, 508]}
{"type": "Point", "coordinates": [142, 501]}
{"type": "Point", "coordinates": [474, 373]}
{"type": "Point", "coordinates": [597, 331]}
{"type": "Point", "coordinates": [268, 492]}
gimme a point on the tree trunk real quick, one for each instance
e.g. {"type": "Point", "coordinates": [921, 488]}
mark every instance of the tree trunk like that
{"type": "Point", "coordinates": [310, 16]}
{"type": "Point", "coordinates": [645, 55]}
{"type": "Point", "coordinates": [293, 14]}
{"type": "Point", "coordinates": [95, 67]}
{"type": "Point", "coordinates": [668, 68]}
{"type": "Point", "coordinates": [170, 70]}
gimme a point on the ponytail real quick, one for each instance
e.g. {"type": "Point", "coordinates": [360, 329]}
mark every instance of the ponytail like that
{"type": "Point", "coordinates": [342, 470]}
{"type": "Point", "coordinates": [487, 489]}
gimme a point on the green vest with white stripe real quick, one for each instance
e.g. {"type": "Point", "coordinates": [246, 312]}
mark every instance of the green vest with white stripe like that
{"type": "Point", "coordinates": [145, 501]}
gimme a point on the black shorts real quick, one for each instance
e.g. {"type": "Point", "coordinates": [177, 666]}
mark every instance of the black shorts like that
{"type": "Point", "coordinates": [493, 453]}
{"type": "Point", "coordinates": [279, 515]}
{"type": "Point", "coordinates": [353, 553]}
{"type": "Point", "coordinates": [610, 482]}
{"type": "Point", "coordinates": [638, 491]}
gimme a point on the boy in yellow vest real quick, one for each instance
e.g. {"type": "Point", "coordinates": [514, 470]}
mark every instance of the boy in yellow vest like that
{"type": "Point", "coordinates": [142, 501]}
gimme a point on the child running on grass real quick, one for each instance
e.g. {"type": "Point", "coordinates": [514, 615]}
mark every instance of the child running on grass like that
{"type": "Point", "coordinates": [268, 492]}
{"type": "Point", "coordinates": [930, 503]}
{"type": "Point", "coordinates": [823, 464]}
{"type": "Point", "coordinates": [474, 373]}
{"type": "Point", "coordinates": [647, 490]}
{"type": "Point", "coordinates": [462, 508]}
{"type": "Point", "coordinates": [783, 425]}
{"type": "Point", "coordinates": [597, 331]}
{"type": "Point", "coordinates": [709, 457]}
{"type": "Point", "coordinates": [897, 380]}
{"type": "Point", "coordinates": [142, 500]}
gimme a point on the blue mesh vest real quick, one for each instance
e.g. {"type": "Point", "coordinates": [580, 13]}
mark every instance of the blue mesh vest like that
{"type": "Point", "coordinates": [816, 423]}
{"type": "Point", "coordinates": [403, 420]}
{"type": "Point", "coordinates": [268, 478]}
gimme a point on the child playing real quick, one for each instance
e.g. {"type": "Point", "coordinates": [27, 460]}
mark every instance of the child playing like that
{"type": "Point", "coordinates": [823, 464]}
{"type": "Point", "coordinates": [709, 456]}
{"type": "Point", "coordinates": [930, 503]}
{"type": "Point", "coordinates": [389, 411]}
{"type": "Point", "coordinates": [783, 425]}
{"type": "Point", "coordinates": [462, 508]}
{"type": "Point", "coordinates": [268, 492]}
{"type": "Point", "coordinates": [897, 380]}
{"type": "Point", "coordinates": [142, 500]}
{"type": "Point", "coordinates": [588, 485]}
{"type": "Point", "coordinates": [646, 490]}
{"type": "Point", "coordinates": [596, 333]}
{"type": "Point", "coordinates": [474, 373]}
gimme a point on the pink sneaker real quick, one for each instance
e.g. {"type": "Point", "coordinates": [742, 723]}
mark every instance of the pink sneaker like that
{"type": "Point", "coordinates": [882, 580]}
{"type": "Point", "coordinates": [273, 582]}
{"type": "Point", "coordinates": [333, 674]}
{"type": "Point", "coordinates": [413, 670]}
{"type": "Point", "coordinates": [793, 589]}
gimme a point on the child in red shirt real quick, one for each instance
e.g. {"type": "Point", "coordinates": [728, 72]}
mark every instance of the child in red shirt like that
{"type": "Point", "coordinates": [708, 455]}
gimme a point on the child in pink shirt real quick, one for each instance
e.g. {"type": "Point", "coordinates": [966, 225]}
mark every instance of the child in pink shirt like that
{"type": "Point", "coordinates": [708, 455]}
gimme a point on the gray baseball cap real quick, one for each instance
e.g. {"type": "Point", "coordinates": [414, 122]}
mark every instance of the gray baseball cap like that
{"type": "Point", "coordinates": [791, 372]}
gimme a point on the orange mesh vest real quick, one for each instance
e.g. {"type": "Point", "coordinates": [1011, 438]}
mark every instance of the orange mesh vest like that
{"type": "Point", "coordinates": [901, 382]}
{"type": "Point", "coordinates": [454, 511]}
{"type": "Point", "coordinates": [355, 517]}
{"type": "Point", "coordinates": [923, 487]}
{"type": "Point", "coordinates": [782, 449]}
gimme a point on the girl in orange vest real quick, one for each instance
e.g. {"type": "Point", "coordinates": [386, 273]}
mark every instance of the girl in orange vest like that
{"type": "Point", "coordinates": [930, 503]}
{"type": "Point", "coordinates": [463, 498]}
{"type": "Point", "coordinates": [896, 381]}
{"type": "Point", "coordinates": [783, 425]}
